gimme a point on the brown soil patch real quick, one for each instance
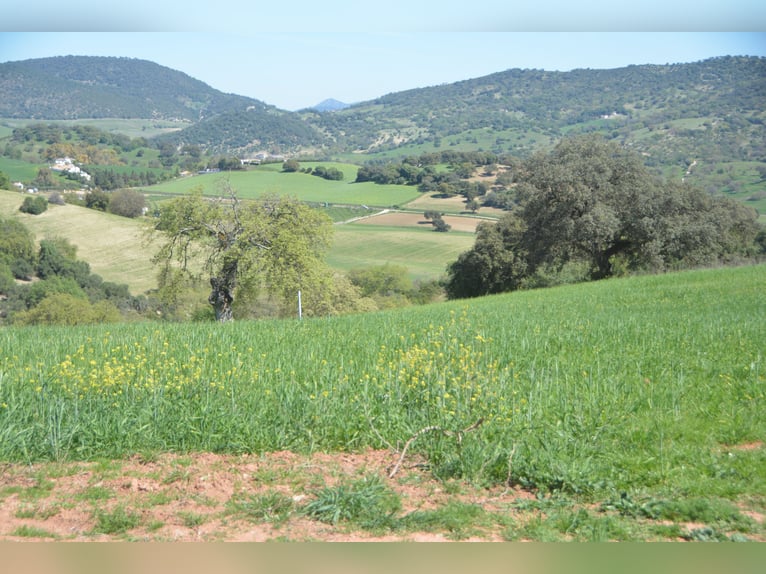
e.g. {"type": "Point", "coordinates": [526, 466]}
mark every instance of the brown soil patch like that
{"type": "Point", "coordinates": [454, 204]}
{"type": "Point", "coordinates": [747, 446]}
{"type": "Point", "coordinates": [195, 497]}
{"type": "Point", "coordinates": [400, 219]}
{"type": "Point", "coordinates": [189, 497]}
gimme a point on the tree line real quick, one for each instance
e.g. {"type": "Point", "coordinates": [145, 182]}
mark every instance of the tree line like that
{"type": "Point", "coordinates": [590, 209]}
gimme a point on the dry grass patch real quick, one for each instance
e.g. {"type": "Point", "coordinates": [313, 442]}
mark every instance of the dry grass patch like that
{"type": "Point", "coordinates": [403, 219]}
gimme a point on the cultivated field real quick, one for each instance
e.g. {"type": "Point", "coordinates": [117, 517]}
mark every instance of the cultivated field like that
{"type": "Point", "coordinates": [115, 249]}
{"type": "Point", "coordinates": [416, 220]}
{"type": "Point", "coordinates": [628, 409]}
{"type": "Point", "coordinates": [270, 179]}
{"type": "Point", "coordinates": [423, 251]}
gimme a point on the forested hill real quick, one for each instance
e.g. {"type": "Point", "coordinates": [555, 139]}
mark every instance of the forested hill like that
{"type": "Point", "coordinates": [701, 120]}
{"type": "Point", "coordinates": [729, 92]}
{"type": "Point", "coordinates": [79, 87]}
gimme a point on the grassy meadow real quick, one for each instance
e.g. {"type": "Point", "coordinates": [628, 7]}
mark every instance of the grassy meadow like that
{"type": "Point", "coordinates": [113, 246]}
{"type": "Point", "coordinates": [620, 391]}
{"type": "Point", "coordinates": [424, 252]}
{"type": "Point", "coordinates": [270, 179]}
{"type": "Point", "coordinates": [18, 170]}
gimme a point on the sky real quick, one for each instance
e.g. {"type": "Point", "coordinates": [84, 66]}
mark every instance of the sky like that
{"type": "Point", "coordinates": [296, 55]}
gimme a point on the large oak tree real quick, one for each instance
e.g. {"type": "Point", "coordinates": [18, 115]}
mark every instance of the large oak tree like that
{"type": "Point", "coordinates": [589, 208]}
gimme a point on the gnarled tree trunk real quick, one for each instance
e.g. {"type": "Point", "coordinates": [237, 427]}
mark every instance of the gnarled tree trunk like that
{"type": "Point", "coordinates": [222, 294]}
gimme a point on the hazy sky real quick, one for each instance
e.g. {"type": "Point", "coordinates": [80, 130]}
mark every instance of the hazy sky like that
{"type": "Point", "coordinates": [294, 55]}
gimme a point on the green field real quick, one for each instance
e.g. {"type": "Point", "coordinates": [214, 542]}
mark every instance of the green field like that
{"type": "Point", "coordinates": [425, 253]}
{"type": "Point", "coordinates": [619, 392]}
{"type": "Point", "coordinates": [269, 179]}
{"type": "Point", "coordinates": [18, 170]}
{"type": "Point", "coordinates": [113, 246]}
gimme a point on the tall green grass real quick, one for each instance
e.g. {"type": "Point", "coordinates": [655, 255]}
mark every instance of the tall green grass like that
{"type": "Point", "coordinates": [648, 384]}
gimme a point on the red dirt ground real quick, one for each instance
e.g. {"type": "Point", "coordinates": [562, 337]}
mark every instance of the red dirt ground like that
{"type": "Point", "coordinates": [189, 498]}
{"type": "Point", "coordinates": [186, 498]}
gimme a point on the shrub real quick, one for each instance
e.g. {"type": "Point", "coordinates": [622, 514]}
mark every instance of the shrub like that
{"type": "Point", "coordinates": [16, 241]}
{"type": "Point", "coordinates": [34, 205]}
{"type": "Point", "coordinates": [66, 309]}
{"type": "Point", "coordinates": [127, 203]}
{"type": "Point", "coordinates": [6, 279]}
{"type": "Point", "coordinates": [23, 269]}
{"type": "Point", "coordinates": [98, 200]}
{"type": "Point", "coordinates": [56, 199]}
{"type": "Point", "coordinates": [291, 165]}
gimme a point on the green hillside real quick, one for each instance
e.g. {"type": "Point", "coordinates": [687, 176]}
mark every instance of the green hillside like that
{"type": "Point", "coordinates": [701, 121]}
{"type": "Point", "coordinates": [77, 87]}
{"type": "Point", "coordinates": [641, 398]}
{"type": "Point", "coordinates": [113, 246]}
{"type": "Point", "coordinates": [115, 249]}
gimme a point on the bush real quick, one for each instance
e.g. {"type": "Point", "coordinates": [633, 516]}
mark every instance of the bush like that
{"type": "Point", "coordinates": [16, 242]}
{"type": "Point", "coordinates": [127, 203]}
{"type": "Point", "coordinates": [66, 309]}
{"type": "Point", "coordinates": [383, 280]}
{"type": "Point", "coordinates": [56, 199]}
{"type": "Point", "coordinates": [23, 269]}
{"type": "Point", "coordinates": [329, 173]}
{"type": "Point", "coordinates": [34, 205]}
{"type": "Point", "coordinates": [6, 279]}
{"type": "Point", "coordinates": [98, 200]}
{"type": "Point", "coordinates": [291, 166]}
{"type": "Point", "coordinates": [36, 292]}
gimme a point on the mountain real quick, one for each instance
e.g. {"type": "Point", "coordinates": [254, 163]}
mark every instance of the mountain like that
{"type": "Point", "coordinates": [729, 91]}
{"type": "Point", "coordinates": [79, 87]}
{"type": "Point", "coordinates": [330, 105]}
{"type": "Point", "coordinates": [702, 120]}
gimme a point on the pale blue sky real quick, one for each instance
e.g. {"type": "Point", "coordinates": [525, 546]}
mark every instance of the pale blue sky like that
{"type": "Point", "coordinates": [249, 16]}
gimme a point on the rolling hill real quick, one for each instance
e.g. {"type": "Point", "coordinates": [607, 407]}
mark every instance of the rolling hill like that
{"type": "Point", "coordinates": [80, 87]}
{"type": "Point", "coordinates": [701, 121]}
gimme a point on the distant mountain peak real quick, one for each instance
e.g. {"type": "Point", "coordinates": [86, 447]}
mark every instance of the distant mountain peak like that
{"type": "Point", "coordinates": [329, 105]}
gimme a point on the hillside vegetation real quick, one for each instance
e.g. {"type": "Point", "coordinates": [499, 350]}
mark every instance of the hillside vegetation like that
{"type": "Point", "coordinates": [82, 87]}
{"type": "Point", "coordinates": [701, 121]}
{"type": "Point", "coordinates": [112, 245]}
{"type": "Point", "coordinates": [642, 396]}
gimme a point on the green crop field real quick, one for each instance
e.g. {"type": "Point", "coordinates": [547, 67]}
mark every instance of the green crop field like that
{"type": "Point", "coordinates": [424, 252]}
{"type": "Point", "coordinates": [651, 387]}
{"type": "Point", "coordinates": [18, 170]}
{"type": "Point", "coordinates": [269, 179]}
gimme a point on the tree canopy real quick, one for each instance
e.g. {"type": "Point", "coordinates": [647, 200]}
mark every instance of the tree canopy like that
{"type": "Point", "coordinates": [589, 209]}
{"type": "Point", "coordinates": [275, 243]}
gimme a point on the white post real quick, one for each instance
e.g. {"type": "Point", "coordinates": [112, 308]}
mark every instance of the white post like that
{"type": "Point", "coordinates": [300, 309]}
